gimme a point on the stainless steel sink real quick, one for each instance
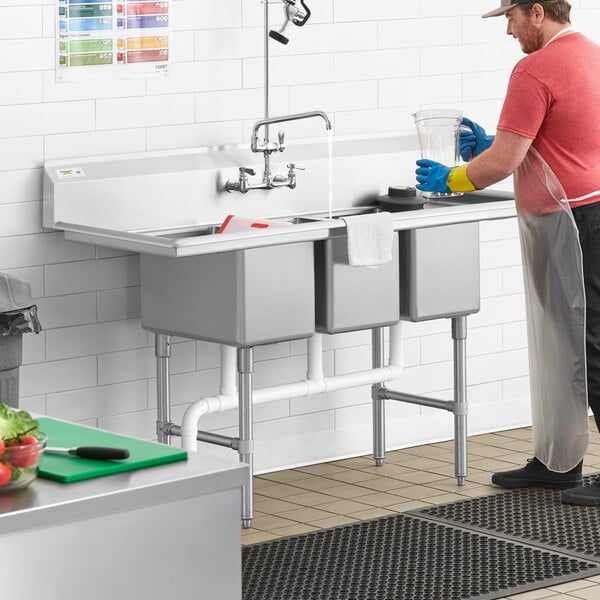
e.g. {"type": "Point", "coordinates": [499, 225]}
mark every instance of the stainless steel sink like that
{"type": "Point", "coordinates": [240, 298]}
{"type": "Point", "coordinates": [241, 287]}
{"type": "Point", "coordinates": [434, 273]}
{"type": "Point", "coordinates": [439, 271]}
{"type": "Point", "coordinates": [350, 298]}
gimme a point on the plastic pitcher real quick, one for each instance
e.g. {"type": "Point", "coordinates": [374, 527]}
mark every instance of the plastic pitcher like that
{"type": "Point", "coordinates": [439, 140]}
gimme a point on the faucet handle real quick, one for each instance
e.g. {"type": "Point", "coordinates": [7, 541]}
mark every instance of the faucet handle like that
{"type": "Point", "coordinates": [294, 167]}
{"type": "Point", "coordinates": [241, 184]}
{"type": "Point", "coordinates": [281, 145]}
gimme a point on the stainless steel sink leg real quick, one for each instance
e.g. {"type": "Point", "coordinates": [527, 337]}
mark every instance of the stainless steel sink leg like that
{"type": "Point", "coordinates": [162, 350]}
{"type": "Point", "coordinates": [459, 335]}
{"type": "Point", "coordinates": [377, 347]}
{"type": "Point", "coordinates": [246, 447]}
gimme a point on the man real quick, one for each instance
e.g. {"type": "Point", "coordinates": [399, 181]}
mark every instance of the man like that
{"type": "Point", "coordinates": [548, 137]}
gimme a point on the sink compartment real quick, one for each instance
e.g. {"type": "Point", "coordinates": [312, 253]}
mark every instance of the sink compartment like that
{"type": "Point", "coordinates": [188, 231]}
{"type": "Point", "coordinates": [185, 232]}
{"type": "Point", "coordinates": [439, 271]}
{"type": "Point", "coordinates": [350, 298]}
{"type": "Point", "coordinates": [241, 298]}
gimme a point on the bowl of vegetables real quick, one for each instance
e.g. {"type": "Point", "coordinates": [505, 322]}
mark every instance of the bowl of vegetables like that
{"type": "Point", "coordinates": [21, 449]}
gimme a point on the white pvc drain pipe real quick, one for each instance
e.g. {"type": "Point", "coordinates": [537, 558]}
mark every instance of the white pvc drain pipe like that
{"type": "Point", "coordinates": [315, 383]}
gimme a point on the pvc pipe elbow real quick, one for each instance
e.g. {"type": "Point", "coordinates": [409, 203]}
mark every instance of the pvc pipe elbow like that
{"type": "Point", "coordinates": [189, 425]}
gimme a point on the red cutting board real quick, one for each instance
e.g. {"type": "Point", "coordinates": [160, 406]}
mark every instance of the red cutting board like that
{"type": "Point", "coordinates": [67, 469]}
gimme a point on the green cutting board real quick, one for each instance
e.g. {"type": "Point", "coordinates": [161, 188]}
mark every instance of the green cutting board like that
{"type": "Point", "coordinates": [72, 468]}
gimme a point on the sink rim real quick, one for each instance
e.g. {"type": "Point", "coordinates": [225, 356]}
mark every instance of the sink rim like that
{"type": "Point", "coordinates": [296, 220]}
{"type": "Point", "coordinates": [317, 226]}
{"type": "Point", "coordinates": [210, 229]}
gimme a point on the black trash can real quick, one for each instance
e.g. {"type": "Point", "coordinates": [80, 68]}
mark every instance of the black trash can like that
{"type": "Point", "coordinates": [18, 315]}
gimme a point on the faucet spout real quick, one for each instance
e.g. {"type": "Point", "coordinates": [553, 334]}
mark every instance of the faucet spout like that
{"type": "Point", "coordinates": [282, 119]}
{"type": "Point", "coordinates": [269, 181]}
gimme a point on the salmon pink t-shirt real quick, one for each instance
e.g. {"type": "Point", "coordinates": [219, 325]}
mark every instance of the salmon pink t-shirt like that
{"type": "Point", "coordinates": [553, 97]}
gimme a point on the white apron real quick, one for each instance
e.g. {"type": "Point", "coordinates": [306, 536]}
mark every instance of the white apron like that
{"type": "Point", "coordinates": [555, 303]}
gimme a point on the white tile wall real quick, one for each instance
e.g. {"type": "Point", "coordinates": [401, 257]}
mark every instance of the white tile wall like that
{"type": "Point", "coordinates": [334, 37]}
{"type": "Point", "coordinates": [423, 90]}
{"type": "Point", "coordinates": [27, 215]}
{"type": "Point", "coordinates": [98, 338]}
{"type": "Point", "coordinates": [170, 109]}
{"type": "Point", "coordinates": [289, 70]}
{"type": "Point", "coordinates": [369, 65]}
{"type": "Point", "coordinates": [21, 87]}
{"type": "Point", "coordinates": [331, 97]}
{"type": "Point", "coordinates": [419, 33]}
{"type": "Point", "coordinates": [69, 145]}
{"type": "Point", "coordinates": [20, 186]}
{"type": "Point", "coordinates": [123, 303]}
{"type": "Point", "coordinates": [355, 10]}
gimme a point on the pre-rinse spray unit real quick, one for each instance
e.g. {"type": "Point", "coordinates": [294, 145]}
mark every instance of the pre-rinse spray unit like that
{"type": "Point", "coordinates": [293, 14]}
{"type": "Point", "coordinates": [298, 15]}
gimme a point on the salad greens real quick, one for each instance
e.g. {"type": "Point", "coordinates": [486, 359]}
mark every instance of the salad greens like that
{"type": "Point", "coordinates": [19, 473]}
{"type": "Point", "coordinates": [15, 424]}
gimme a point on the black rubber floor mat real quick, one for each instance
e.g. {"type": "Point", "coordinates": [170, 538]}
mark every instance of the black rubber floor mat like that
{"type": "Point", "coordinates": [531, 515]}
{"type": "Point", "coordinates": [401, 557]}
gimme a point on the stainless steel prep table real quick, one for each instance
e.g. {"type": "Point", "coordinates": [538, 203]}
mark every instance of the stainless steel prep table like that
{"type": "Point", "coordinates": [150, 533]}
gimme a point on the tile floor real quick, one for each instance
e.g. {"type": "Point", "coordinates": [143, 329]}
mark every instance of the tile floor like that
{"type": "Point", "coordinates": [344, 491]}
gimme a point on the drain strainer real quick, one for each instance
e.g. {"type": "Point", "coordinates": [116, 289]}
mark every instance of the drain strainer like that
{"type": "Point", "coordinates": [401, 557]}
{"type": "Point", "coordinates": [532, 516]}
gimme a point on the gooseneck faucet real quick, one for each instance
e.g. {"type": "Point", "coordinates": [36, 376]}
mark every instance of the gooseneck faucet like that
{"type": "Point", "coordinates": [254, 144]}
{"type": "Point", "coordinates": [267, 146]}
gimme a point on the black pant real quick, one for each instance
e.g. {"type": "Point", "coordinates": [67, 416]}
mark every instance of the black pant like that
{"type": "Point", "coordinates": [587, 219]}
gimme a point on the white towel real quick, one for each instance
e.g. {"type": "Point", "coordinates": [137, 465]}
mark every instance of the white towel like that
{"type": "Point", "coordinates": [370, 239]}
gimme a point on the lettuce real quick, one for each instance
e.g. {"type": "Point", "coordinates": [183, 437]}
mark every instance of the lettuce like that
{"type": "Point", "coordinates": [19, 473]}
{"type": "Point", "coordinates": [14, 424]}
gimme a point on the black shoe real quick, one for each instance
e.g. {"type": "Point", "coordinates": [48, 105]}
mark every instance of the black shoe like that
{"type": "Point", "coordinates": [535, 474]}
{"type": "Point", "coordinates": [584, 496]}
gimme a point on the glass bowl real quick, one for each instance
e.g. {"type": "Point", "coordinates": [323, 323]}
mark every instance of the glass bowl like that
{"type": "Point", "coordinates": [19, 463]}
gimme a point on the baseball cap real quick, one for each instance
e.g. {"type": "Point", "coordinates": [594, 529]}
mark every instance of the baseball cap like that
{"type": "Point", "coordinates": [504, 6]}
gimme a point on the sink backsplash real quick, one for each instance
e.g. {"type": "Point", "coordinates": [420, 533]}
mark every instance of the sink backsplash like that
{"type": "Point", "coordinates": [154, 190]}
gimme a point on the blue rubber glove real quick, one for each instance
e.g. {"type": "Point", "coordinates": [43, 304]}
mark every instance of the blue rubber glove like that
{"type": "Point", "coordinates": [432, 176]}
{"type": "Point", "coordinates": [474, 140]}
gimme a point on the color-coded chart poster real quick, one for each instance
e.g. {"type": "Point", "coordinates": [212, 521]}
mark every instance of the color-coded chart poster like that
{"type": "Point", "coordinates": [111, 38]}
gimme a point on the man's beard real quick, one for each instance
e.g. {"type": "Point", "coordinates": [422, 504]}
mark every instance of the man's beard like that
{"type": "Point", "coordinates": [532, 40]}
